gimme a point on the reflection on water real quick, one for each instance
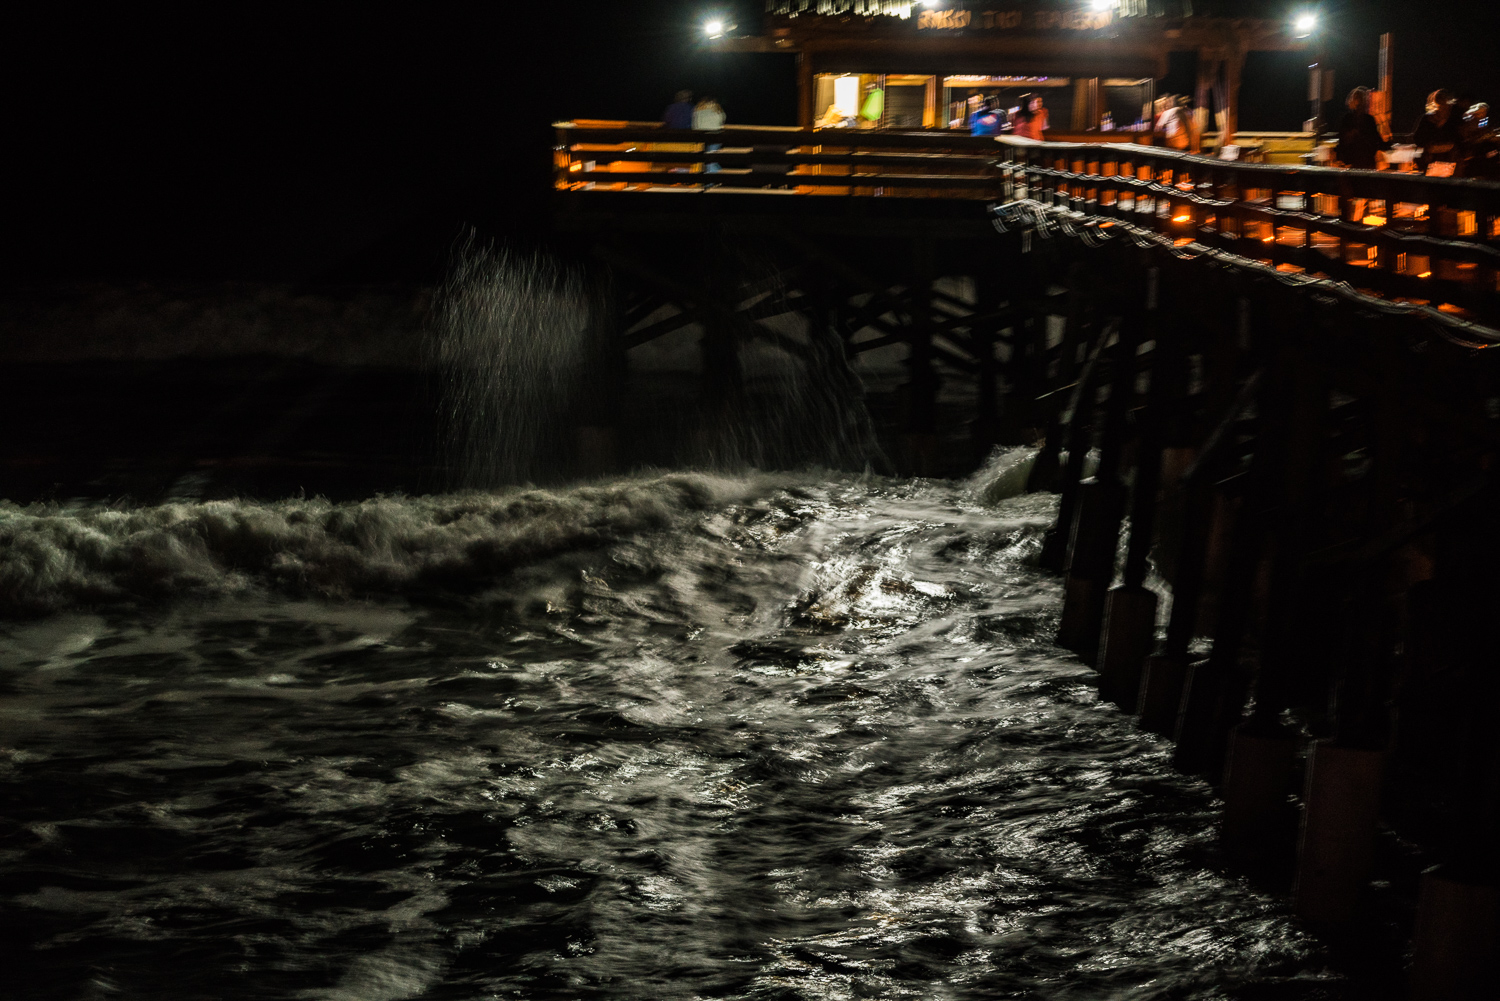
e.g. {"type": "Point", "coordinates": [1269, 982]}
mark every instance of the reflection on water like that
{"type": "Point", "coordinates": [811, 743]}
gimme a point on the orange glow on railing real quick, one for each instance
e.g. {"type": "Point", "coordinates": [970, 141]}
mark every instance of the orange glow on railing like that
{"type": "Point", "coordinates": [1425, 274]}
{"type": "Point", "coordinates": [1374, 220]}
{"type": "Point", "coordinates": [1182, 218]}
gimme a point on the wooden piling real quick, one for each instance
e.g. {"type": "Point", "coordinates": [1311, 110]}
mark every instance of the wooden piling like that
{"type": "Point", "coordinates": [1162, 682]}
{"type": "Point", "coordinates": [1456, 945]}
{"type": "Point", "coordinates": [1130, 611]}
{"type": "Point", "coordinates": [597, 423]}
{"type": "Point", "coordinates": [1337, 849]}
{"type": "Point", "coordinates": [1097, 532]}
{"type": "Point", "coordinates": [919, 441]}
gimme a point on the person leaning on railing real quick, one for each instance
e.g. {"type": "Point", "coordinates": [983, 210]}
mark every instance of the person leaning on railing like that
{"type": "Point", "coordinates": [1439, 135]}
{"type": "Point", "coordinates": [1175, 124]}
{"type": "Point", "coordinates": [1359, 134]}
{"type": "Point", "coordinates": [679, 114]}
{"type": "Point", "coordinates": [709, 117]}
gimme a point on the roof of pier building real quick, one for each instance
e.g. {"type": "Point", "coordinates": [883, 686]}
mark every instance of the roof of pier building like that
{"type": "Point", "coordinates": [1132, 37]}
{"type": "Point", "coordinates": [1121, 9]}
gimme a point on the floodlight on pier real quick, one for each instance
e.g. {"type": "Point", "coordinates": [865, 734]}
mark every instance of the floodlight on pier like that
{"type": "Point", "coordinates": [1305, 24]}
{"type": "Point", "coordinates": [715, 28]}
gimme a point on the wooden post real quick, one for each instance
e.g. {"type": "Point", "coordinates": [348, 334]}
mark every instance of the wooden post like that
{"type": "Point", "coordinates": [1387, 91]}
{"type": "Point", "coordinates": [1338, 831]}
{"type": "Point", "coordinates": [1215, 688]}
{"type": "Point", "coordinates": [1165, 675]}
{"type": "Point", "coordinates": [920, 439]}
{"type": "Point", "coordinates": [807, 89]}
{"type": "Point", "coordinates": [1029, 374]}
{"type": "Point", "coordinates": [597, 434]}
{"type": "Point", "coordinates": [1456, 947]}
{"type": "Point", "coordinates": [1098, 526]}
{"type": "Point", "coordinates": [986, 428]}
{"type": "Point", "coordinates": [1075, 428]}
{"type": "Point", "coordinates": [722, 378]}
{"type": "Point", "coordinates": [1290, 407]}
{"type": "Point", "coordinates": [1234, 67]}
{"type": "Point", "coordinates": [1130, 613]}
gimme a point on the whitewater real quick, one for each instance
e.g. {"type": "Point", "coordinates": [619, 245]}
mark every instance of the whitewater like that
{"type": "Point", "coordinates": [684, 735]}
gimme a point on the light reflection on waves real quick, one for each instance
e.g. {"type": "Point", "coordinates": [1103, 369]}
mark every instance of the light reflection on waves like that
{"type": "Point", "coordinates": [819, 747]}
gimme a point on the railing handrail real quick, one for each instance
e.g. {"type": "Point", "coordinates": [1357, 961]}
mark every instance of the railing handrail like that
{"type": "Point", "coordinates": [1237, 166]}
{"type": "Point", "coordinates": [752, 135]}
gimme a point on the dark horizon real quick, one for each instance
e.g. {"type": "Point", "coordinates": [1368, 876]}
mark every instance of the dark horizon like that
{"type": "Point", "coordinates": [229, 145]}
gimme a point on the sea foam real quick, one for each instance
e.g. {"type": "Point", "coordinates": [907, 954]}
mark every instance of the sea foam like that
{"type": "Point", "coordinates": [53, 558]}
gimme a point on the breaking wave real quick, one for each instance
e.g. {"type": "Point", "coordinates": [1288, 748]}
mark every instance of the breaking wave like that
{"type": "Point", "coordinates": [56, 558]}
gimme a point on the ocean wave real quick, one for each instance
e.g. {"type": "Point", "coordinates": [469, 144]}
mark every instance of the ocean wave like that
{"type": "Point", "coordinates": [1003, 475]}
{"type": "Point", "coordinates": [53, 558]}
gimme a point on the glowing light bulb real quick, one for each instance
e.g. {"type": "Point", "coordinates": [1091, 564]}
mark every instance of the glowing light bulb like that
{"type": "Point", "coordinates": [714, 28]}
{"type": "Point", "coordinates": [1101, 4]}
{"type": "Point", "coordinates": [1306, 23]}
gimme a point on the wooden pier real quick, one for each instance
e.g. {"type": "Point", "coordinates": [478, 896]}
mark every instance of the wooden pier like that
{"type": "Point", "coordinates": [1281, 382]}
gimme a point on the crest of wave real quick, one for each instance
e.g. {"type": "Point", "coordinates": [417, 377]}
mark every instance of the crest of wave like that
{"type": "Point", "coordinates": [52, 559]}
{"type": "Point", "coordinates": [508, 347]}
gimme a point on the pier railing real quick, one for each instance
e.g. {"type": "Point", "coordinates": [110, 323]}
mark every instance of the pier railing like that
{"type": "Point", "coordinates": [1425, 240]}
{"type": "Point", "coordinates": [643, 156]}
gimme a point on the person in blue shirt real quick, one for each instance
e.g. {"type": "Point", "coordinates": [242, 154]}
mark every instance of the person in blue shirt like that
{"type": "Point", "coordinates": [679, 114]}
{"type": "Point", "coordinates": [985, 120]}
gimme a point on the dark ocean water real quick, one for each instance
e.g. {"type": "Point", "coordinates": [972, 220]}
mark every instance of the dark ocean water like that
{"type": "Point", "coordinates": [797, 736]}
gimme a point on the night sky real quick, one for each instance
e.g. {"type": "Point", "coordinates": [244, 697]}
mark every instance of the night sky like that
{"type": "Point", "coordinates": [235, 142]}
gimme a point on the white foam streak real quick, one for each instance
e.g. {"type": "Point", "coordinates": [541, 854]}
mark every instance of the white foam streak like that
{"type": "Point", "coordinates": [51, 558]}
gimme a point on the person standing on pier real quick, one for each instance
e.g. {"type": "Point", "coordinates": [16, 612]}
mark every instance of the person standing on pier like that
{"type": "Point", "coordinates": [1020, 116]}
{"type": "Point", "coordinates": [873, 110]}
{"type": "Point", "coordinates": [1030, 119]}
{"type": "Point", "coordinates": [708, 116]}
{"type": "Point", "coordinates": [1439, 135]}
{"type": "Point", "coordinates": [1175, 125]}
{"type": "Point", "coordinates": [679, 114]}
{"type": "Point", "coordinates": [1359, 134]}
{"type": "Point", "coordinates": [985, 121]}
{"type": "Point", "coordinates": [1039, 118]}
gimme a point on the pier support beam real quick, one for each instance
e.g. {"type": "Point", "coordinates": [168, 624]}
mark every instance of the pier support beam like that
{"type": "Point", "coordinates": [1337, 847]}
{"type": "Point", "coordinates": [1129, 636]}
{"type": "Point", "coordinates": [1130, 610]}
{"type": "Point", "coordinates": [919, 442]}
{"type": "Point", "coordinates": [1456, 947]}
{"type": "Point", "coordinates": [597, 430]}
{"type": "Point", "coordinates": [1260, 825]}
